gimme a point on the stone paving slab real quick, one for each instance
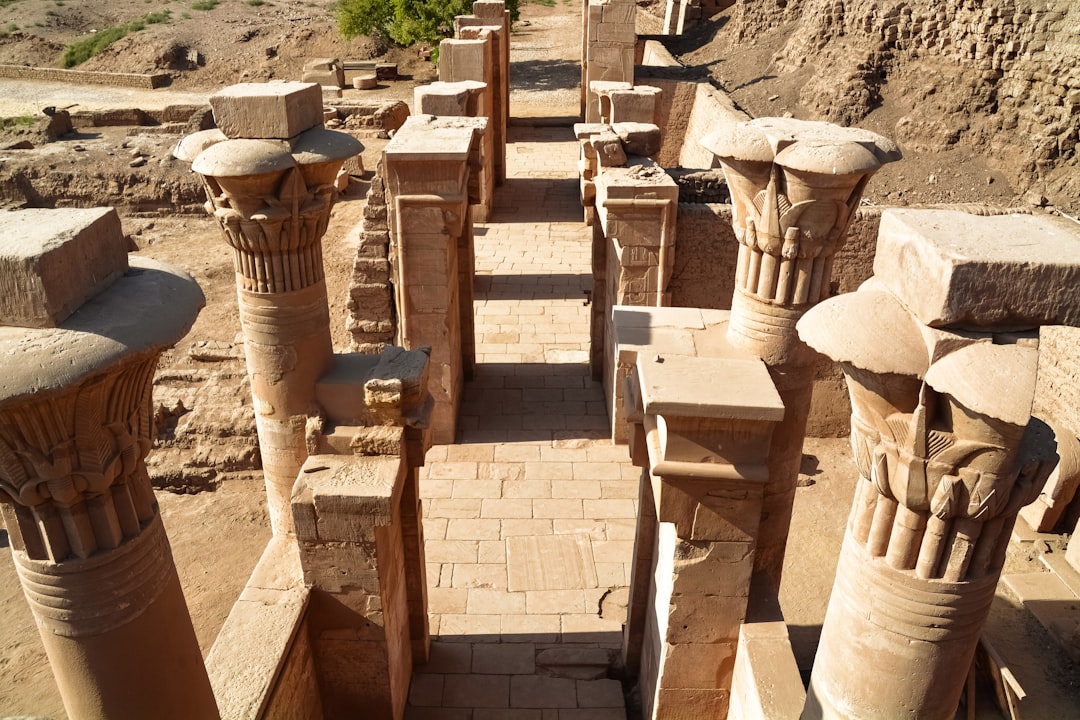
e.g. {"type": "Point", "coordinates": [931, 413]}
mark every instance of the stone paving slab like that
{"type": "Point", "coordinates": [529, 519]}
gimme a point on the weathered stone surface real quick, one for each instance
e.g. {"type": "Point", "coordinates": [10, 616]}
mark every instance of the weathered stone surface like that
{"type": "Point", "coordinates": [638, 138]}
{"type": "Point", "coordinates": [708, 387]}
{"type": "Point", "coordinates": [609, 149]}
{"type": "Point", "coordinates": [954, 269]}
{"type": "Point", "coordinates": [52, 261]}
{"type": "Point", "coordinates": [267, 110]}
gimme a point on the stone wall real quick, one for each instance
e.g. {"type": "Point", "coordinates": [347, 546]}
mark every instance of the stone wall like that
{"type": "Point", "coordinates": [84, 77]}
{"type": "Point", "coordinates": [1057, 394]}
{"type": "Point", "coordinates": [1001, 76]}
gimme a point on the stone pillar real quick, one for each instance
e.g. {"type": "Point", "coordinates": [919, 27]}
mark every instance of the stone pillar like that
{"type": "Point", "coordinates": [493, 16]}
{"type": "Point", "coordinates": [357, 512]}
{"type": "Point", "coordinates": [427, 170]}
{"type": "Point", "coordinates": [465, 99]}
{"type": "Point", "coordinates": [795, 186]}
{"type": "Point", "coordinates": [473, 56]}
{"type": "Point", "coordinates": [608, 49]}
{"type": "Point", "coordinates": [940, 351]}
{"type": "Point", "coordinates": [701, 427]}
{"type": "Point", "coordinates": [269, 174]}
{"type": "Point", "coordinates": [675, 17]}
{"type": "Point", "coordinates": [82, 335]}
{"type": "Point", "coordinates": [636, 208]}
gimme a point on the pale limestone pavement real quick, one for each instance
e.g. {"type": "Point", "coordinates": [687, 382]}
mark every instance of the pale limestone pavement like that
{"type": "Point", "coordinates": [529, 518]}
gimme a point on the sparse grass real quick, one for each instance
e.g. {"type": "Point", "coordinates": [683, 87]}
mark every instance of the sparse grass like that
{"type": "Point", "coordinates": [21, 120]}
{"type": "Point", "coordinates": [9, 28]}
{"type": "Point", "coordinates": [185, 16]}
{"type": "Point", "coordinates": [205, 4]}
{"type": "Point", "coordinates": [5, 3]}
{"type": "Point", "coordinates": [545, 3]}
{"type": "Point", "coordinates": [80, 51]}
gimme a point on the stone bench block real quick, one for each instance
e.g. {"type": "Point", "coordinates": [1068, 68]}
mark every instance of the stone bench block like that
{"type": "Point", "coordinates": [952, 269]}
{"type": "Point", "coordinates": [267, 110]}
{"type": "Point", "coordinates": [52, 261]}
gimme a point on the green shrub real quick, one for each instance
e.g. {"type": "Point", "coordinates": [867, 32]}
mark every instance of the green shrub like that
{"type": "Point", "coordinates": [405, 22]}
{"type": "Point", "coordinates": [257, 3]}
{"type": "Point", "coordinates": [205, 4]}
{"type": "Point", "coordinates": [80, 51]}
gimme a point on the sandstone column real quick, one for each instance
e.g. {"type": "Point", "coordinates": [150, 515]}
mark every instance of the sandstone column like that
{"type": "Point", "coordinates": [81, 334]}
{"type": "Point", "coordinates": [269, 173]}
{"type": "Point", "coordinates": [795, 186]}
{"type": "Point", "coordinates": [941, 373]}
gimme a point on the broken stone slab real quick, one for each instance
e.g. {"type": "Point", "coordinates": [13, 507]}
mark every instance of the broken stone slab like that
{"type": "Point", "coordinates": [52, 261]}
{"type": "Point", "coordinates": [962, 364]}
{"type": "Point", "coordinates": [609, 149]}
{"type": "Point", "coordinates": [638, 138]}
{"type": "Point", "coordinates": [275, 110]}
{"type": "Point", "coordinates": [952, 269]}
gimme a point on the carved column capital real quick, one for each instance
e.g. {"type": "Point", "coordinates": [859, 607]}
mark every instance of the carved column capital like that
{"type": "Point", "coordinates": [795, 185]}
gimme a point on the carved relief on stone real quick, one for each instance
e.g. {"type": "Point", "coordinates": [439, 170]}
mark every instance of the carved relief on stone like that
{"type": "Point", "coordinates": [795, 186]}
{"type": "Point", "coordinates": [272, 199]}
{"type": "Point", "coordinates": [941, 432]}
{"type": "Point", "coordinates": [72, 467]}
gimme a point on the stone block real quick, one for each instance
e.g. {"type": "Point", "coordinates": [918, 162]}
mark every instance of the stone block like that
{"type": "Point", "coordinates": [952, 269]}
{"type": "Point", "coordinates": [709, 387]}
{"type": "Point", "coordinates": [698, 665]}
{"type": "Point", "coordinates": [351, 494]}
{"type": "Point", "coordinates": [489, 9]}
{"type": "Point", "coordinates": [365, 82]}
{"type": "Point", "coordinates": [637, 105]}
{"type": "Point", "coordinates": [609, 150]}
{"type": "Point", "coordinates": [638, 138]}
{"type": "Point", "coordinates": [691, 703]}
{"type": "Point", "coordinates": [766, 682]}
{"type": "Point", "coordinates": [52, 261]}
{"type": "Point", "coordinates": [267, 110]}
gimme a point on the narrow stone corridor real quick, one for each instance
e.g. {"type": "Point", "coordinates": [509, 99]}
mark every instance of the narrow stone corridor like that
{"type": "Point", "coordinates": [529, 518]}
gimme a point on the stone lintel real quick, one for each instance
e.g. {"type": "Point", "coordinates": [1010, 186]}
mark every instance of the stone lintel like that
{"type": "Point", "coordinates": [278, 110]}
{"type": "Point", "coordinates": [951, 268]}
{"type": "Point", "coordinates": [52, 261]}
{"type": "Point", "coordinates": [343, 498]}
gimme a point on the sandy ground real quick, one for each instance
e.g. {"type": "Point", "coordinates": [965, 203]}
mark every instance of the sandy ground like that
{"type": "Point", "coordinates": [218, 536]}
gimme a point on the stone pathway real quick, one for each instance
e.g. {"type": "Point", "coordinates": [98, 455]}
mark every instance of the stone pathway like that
{"type": "Point", "coordinates": [529, 519]}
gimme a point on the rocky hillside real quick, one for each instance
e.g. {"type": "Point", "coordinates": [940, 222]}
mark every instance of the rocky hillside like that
{"type": "Point", "coordinates": [1000, 78]}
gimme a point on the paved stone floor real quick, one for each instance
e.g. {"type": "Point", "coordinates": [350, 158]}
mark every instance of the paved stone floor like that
{"type": "Point", "coordinates": [529, 518]}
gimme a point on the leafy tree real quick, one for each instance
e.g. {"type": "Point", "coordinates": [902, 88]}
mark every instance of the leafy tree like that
{"type": "Point", "coordinates": [405, 22]}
